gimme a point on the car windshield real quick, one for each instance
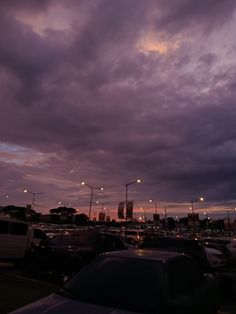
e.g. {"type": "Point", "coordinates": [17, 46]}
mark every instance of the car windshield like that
{"type": "Point", "coordinates": [121, 283]}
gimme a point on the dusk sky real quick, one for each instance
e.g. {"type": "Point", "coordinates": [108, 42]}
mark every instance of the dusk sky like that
{"type": "Point", "coordinates": [110, 91]}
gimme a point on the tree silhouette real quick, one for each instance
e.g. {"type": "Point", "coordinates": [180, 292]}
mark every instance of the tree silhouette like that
{"type": "Point", "coordinates": [63, 210]}
{"type": "Point", "coordinates": [81, 219]}
{"type": "Point", "coordinates": [13, 211]}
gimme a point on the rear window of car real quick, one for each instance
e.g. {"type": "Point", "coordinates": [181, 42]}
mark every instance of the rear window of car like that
{"type": "Point", "coordinates": [4, 227]}
{"type": "Point", "coordinates": [115, 281]}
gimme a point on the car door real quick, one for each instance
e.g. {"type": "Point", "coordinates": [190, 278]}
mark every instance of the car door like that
{"type": "Point", "coordinates": [4, 237]}
{"type": "Point", "coordinates": [189, 290]}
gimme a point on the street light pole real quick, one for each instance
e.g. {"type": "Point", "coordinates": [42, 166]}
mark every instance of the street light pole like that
{"type": "Point", "coordinates": [151, 201]}
{"type": "Point", "coordinates": [200, 199]}
{"type": "Point", "coordinates": [91, 195]}
{"type": "Point", "coordinates": [126, 194]}
{"type": "Point", "coordinates": [33, 196]}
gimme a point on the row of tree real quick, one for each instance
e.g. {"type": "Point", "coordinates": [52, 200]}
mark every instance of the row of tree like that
{"type": "Point", "coordinates": [27, 213]}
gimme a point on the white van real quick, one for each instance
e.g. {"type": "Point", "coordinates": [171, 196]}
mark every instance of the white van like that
{"type": "Point", "coordinates": [16, 237]}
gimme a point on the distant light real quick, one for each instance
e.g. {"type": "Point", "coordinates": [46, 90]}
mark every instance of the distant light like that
{"type": "Point", "coordinates": [83, 183]}
{"type": "Point", "coordinates": [201, 199]}
{"type": "Point", "coordinates": [102, 189]}
{"type": "Point", "coordinates": [25, 191]}
{"type": "Point", "coordinates": [138, 181]}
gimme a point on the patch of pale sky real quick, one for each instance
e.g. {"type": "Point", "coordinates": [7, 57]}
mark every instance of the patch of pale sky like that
{"type": "Point", "coordinates": [57, 18]}
{"type": "Point", "coordinates": [47, 179]}
{"type": "Point", "coordinates": [19, 155]}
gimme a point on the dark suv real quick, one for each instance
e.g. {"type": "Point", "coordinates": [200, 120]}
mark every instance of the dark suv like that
{"type": "Point", "coordinates": [66, 254]}
{"type": "Point", "coordinates": [184, 245]}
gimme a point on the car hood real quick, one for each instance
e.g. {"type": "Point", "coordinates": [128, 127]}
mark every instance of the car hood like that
{"type": "Point", "coordinates": [56, 304]}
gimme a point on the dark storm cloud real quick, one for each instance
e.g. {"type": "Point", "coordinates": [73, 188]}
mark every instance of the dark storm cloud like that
{"type": "Point", "coordinates": [28, 5]}
{"type": "Point", "coordinates": [183, 14]}
{"type": "Point", "coordinates": [111, 104]}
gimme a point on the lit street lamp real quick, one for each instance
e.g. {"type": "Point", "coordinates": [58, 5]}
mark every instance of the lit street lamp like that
{"type": "Point", "coordinates": [33, 196]}
{"type": "Point", "coordinates": [91, 195]}
{"type": "Point", "coordinates": [4, 196]}
{"type": "Point", "coordinates": [126, 192]}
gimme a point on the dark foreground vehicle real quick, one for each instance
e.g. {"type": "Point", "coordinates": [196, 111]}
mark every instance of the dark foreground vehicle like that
{"type": "Point", "coordinates": [177, 244]}
{"type": "Point", "coordinates": [64, 255]}
{"type": "Point", "coordinates": [134, 281]}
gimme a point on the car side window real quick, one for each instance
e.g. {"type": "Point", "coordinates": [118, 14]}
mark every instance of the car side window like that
{"type": "Point", "coordinates": [4, 227]}
{"type": "Point", "coordinates": [183, 278]}
{"type": "Point", "coordinates": [18, 228]}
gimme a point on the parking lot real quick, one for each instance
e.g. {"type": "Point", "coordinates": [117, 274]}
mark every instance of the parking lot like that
{"type": "Point", "coordinates": [17, 290]}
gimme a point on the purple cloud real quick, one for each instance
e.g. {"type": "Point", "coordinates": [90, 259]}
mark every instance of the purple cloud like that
{"type": "Point", "coordinates": [108, 92]}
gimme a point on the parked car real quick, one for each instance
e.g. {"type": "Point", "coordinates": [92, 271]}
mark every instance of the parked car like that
{"type": "Point", "coordinates": [16, 237]}
{"type": "Point", "coordinates": [215, 258]}
{"type": "Point", "coordinates": [134, 281]}
{"type": "Point", "coordinates": [64, 255]}
{"type": "Point", "coordinates": [178, 244]}
{"type": "Point", "coordinates": [133, 235]}
{"type": "Point", "coordinates": [228, 242]}
{"type": "Point", "coordinates": [220, 247]}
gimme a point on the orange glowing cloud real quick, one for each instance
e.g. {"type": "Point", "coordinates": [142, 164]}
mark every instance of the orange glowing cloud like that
{"type": "Point", "coordinates": [151, 44]}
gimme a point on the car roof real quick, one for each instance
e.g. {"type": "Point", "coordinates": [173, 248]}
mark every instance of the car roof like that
{"type": "Point", "coordinates": [174, 238]}
{"type": "Point", "coordinates": [145, 254]}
